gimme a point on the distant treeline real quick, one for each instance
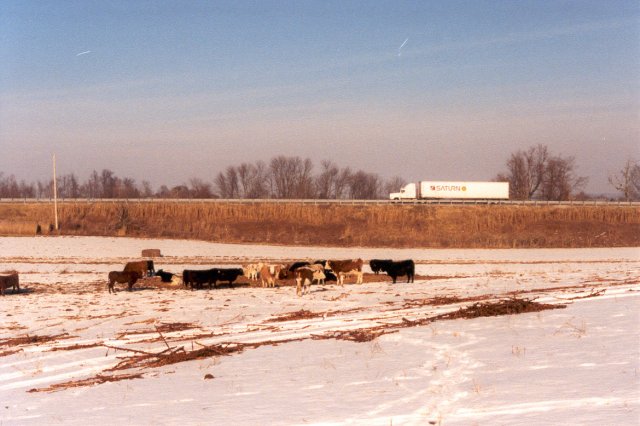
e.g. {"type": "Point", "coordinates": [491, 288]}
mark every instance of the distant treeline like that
{"type": "Point", "coordinates": [535, 173]}
{"type": "Point", "coordinates": [283, 177]}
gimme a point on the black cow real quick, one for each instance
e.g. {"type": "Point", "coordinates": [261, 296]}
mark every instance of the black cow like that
{"type": "Point", "coordinates": [399, 269]}
{"type": "Point", "coordinates": [196, 278]}
{"type": "Point", "coordinates": [289, 270]}
{"type": "Point", "coordinates": [377, 264]}
{"type": "Point", "coordinates": [296, 265]}
{"type": "Point", "coordinates": [164, 276]}
{"type": "Point", "coordinates": [228, 274]}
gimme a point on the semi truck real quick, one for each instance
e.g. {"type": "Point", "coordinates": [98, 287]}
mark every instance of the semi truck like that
{"type": "Point", "coordinates": [453, 190]}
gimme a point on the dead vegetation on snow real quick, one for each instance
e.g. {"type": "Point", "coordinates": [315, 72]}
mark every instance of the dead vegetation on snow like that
{"type": "Point", "coordinates": [143, 360]}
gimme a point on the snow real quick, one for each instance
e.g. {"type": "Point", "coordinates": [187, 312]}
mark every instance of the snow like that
{"type": "Point", "coordinates": [577, 365]}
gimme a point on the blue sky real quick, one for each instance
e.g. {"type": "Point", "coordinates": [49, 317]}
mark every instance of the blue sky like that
{"type": "Point", "coordinates": [172, 90]}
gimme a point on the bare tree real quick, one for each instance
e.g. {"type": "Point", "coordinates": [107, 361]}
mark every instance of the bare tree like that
{"type": "Point", "coordinates": [41, 190]}
{"type": "Point", "coordinates": [127, 188]}
{"type": "Point", "coordinates": [305, 187]}
{"type": "Point", "coordinates": [253, 180]}
{"type": "Point", "coordinates": [525, 172]}
{"type": "Point", "coordinates": [332, 182]}
{"type": "Point", "coordinates": [325, 181]}
{"type": "Point", "coordinates": [92, 188]}
{"type": "Point", "coordinates": [260, 180]}
{"type": "Point", "coordinates": [627, 181]}
{"type": "Point", "coordinates": [27, 190]}
{"type": "Point", "coordinates": [342, 183]}
{"type": "Point", "coordinates": [11, 187]}
{"type": "Point", "coordinates": [68, 186]}
{"type": "Point", "coordinates": [365, 186]}
{"type": "Point", "coordinates": [246, 174]}
{"type": "Point", "coordinates": [180, 191]}
{"type": "Point", "coordinates": [200, 188]}
{"type": "Point", "coordinates": [227, 183]}
{"type": "Point", "coordinates": [163, 192]}
{"type": "Point", "coordinates": [559, 180]}
{"type": "Point", "coordinates": [291, 177]}
{"type": "Point", "coordinates": [109, 183]}
{"type": "Point", "coordinates": [147, 191]}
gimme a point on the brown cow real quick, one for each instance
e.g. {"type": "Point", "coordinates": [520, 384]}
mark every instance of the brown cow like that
{"type": "Point", "coordinates": [269, 274]}
{"type": "Point", "coordinates": [129, 277]}
{"type": "Point", "coordinates": [343, 268]}
{"type": "Point", "coordinates": [143, 267]}
{"type": "Point", "coordinates": [306, 275]}
{"type": "Point", "coordinates": [11, 280]}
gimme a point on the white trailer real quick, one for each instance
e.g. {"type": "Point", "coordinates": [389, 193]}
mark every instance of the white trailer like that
{"type": "Point", "coordinates": [453, 190]}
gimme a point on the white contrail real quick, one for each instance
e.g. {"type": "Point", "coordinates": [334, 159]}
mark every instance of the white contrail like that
{"type": "Point", "coordinates": [83, 53]}
{"type": "Point", "coordinates": [401, 46]}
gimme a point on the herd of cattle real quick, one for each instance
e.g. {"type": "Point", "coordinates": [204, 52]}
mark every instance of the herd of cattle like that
{"type": "Point", "coordinates": [305, 273]}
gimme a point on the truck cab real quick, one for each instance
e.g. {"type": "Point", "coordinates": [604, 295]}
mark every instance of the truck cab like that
{"type": "Point", "coordinates": [406, 192]}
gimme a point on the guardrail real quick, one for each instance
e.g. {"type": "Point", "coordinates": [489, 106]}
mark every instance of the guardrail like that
{"type": "Point", "coordinates": [325, 202]}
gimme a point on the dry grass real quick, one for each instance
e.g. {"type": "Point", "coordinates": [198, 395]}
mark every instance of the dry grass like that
{"type": "Point", "coordinates": [295, 316]}
{"type": "Point", "coordinates": [32, 340]}
{"type": "Point", "coordinates": [511, 306]}
{"type": "Point", "coordinates": [494, 226]}
{"type": "Point", "coordinates": [97, 380]}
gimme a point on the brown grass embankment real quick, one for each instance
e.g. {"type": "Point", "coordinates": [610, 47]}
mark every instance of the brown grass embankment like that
{"type": "Point", "coordinates": [489, 226]}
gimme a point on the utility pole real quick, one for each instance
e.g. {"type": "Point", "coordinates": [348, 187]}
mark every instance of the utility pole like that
{"type": "Point", "coordinates": [55, 194]}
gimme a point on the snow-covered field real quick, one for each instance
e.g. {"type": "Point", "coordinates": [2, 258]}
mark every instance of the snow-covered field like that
{"type": "Point", "coordinates": [70, 353]}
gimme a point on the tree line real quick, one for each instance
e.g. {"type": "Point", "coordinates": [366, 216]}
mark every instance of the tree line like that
{"type": "Point", "coordinates": [534, 173]}
{"type": "Point", "coordinates": [282, 177]}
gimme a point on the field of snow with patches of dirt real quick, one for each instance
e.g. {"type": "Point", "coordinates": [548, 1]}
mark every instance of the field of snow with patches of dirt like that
{"type": "Point", "coordinates": [372, 354]}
